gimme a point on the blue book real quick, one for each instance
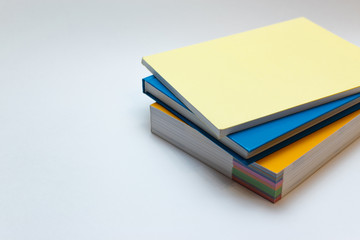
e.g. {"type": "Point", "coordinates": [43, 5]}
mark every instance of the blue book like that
{"type": "Point", "coordinates": [255, 142]}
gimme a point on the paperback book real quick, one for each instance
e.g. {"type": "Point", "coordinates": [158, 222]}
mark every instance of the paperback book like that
{"type": "Point", "coordinates": [243, 80]}
{"type": "Point", "coordinates": [273, 176]}
{"type": "Point", "coordinates": [250, 142]}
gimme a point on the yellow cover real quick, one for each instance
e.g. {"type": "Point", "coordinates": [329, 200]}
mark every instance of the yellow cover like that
{"type": "Point", "coordinates": [249, 78]}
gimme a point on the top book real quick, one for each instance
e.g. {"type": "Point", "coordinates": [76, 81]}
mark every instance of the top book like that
{"type": "Point", "coordinates": [240, 81]}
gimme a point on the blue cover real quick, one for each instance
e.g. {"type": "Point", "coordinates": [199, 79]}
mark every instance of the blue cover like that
{"type": "Point", "coordinates": [253, 138]}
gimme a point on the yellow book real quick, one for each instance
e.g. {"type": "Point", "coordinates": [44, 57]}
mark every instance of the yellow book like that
{"type": "Point", "coordinates": [236, 82]}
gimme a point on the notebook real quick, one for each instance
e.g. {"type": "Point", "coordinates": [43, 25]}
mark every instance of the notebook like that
{"type": "Point", "coordinates": [271, 177]}
{"type": "Point", "coordinates": [250, 142]}
{"type": "Point", "coordinates": [243, 80]}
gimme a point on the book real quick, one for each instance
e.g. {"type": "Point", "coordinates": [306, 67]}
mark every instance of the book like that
{"type": "Point", "coordinates": [243, 80]}
{"type": "Point", "coordinates": [252, 141]}
{"type": "Point", "coordinates": [273, 176]}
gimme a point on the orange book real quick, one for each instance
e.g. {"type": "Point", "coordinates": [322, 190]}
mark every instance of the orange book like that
{"type": "Point", "coordinates": [273, 176]}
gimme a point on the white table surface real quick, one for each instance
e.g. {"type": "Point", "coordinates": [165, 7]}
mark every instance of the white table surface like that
{"type": "Point", "coordinates": [77, 159]}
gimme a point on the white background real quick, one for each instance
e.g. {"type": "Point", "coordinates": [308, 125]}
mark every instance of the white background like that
{"type": "Point", "coordinates": [77, 159]}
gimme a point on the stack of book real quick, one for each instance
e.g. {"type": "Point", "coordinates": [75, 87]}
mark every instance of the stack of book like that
{"type": "Point", "coordinates": [267, 107]}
